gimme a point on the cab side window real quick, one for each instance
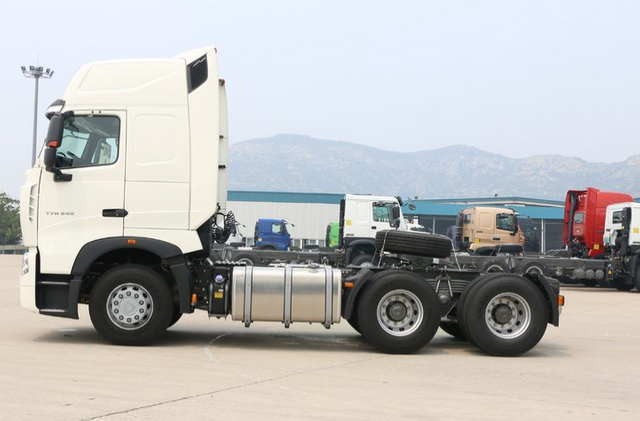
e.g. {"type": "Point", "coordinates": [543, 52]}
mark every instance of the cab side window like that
{"type": "Point", "coordinates": [89, 141]}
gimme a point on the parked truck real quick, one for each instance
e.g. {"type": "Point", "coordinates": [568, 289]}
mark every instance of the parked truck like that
{"type": "Point", "coordinates": [586, 260]}
{"type": "Point", "coordinates": [122, 207]}
{"type": "Point", "coordinates": [271, 234]}
{"type": "Point", "coordinates": [361, 217]}
{"type": "Point", "coordinates": [482, 226]}
{"type": "Point", "coordinates": [584, 220]}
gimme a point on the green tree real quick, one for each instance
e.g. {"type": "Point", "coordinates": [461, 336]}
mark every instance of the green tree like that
{"type": "Point", "coordinates": [9, 220]}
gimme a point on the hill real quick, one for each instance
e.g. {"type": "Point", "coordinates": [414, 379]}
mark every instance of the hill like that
{"type": "Point", "coordinates": [295, 163]}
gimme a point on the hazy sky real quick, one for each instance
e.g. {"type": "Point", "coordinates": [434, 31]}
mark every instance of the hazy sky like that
{"type": "Point", "coordinates": [514, 77]}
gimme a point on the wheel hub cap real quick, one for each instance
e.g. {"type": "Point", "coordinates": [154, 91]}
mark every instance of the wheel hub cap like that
{"type": "Point", "coordinates": [400, 312]}
{"type": "Point", "coordinates": [508, 315]}
{"type": "Point", "coordinates": [129, 306]}
{"type": "Point", "coordinates": [397, 311]}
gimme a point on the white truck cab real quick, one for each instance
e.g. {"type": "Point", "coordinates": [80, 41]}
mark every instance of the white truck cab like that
{"type": "Point", "coordinates": [622, 225]}
{"type": "Point", "coordinates": [132, 151]}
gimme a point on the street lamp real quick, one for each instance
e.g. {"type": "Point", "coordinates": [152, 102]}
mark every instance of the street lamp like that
{"type": "Point", "coordinates": [36, 73]}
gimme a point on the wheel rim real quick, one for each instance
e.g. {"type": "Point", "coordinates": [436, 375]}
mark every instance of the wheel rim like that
{"type": "Point", "coordinates": [400, 312]}
{"type": "Point", "coordinates": [130, 306]}
{"type": "Point", "coordinates": [494, 268]}
{"type": "Point", "coordinates": [535, 270]}
{"type": "Point", "coordinates": [508, 315]}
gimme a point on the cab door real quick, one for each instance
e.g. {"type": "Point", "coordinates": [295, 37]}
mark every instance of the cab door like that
{"type": "Point", "coordinates": [90, 205]}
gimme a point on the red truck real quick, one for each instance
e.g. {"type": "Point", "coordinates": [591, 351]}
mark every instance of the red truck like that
{"type": "Point", "coordinates": [584, 216]}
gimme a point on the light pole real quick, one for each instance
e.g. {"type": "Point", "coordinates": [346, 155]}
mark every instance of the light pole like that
{"type": "Point", "coordinates": [36, 73]}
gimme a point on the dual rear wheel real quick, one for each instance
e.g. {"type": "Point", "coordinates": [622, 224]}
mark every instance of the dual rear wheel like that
{"type": "Point", "coordinates": [502, 314]}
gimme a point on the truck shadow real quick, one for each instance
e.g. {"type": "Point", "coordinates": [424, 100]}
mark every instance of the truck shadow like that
{"type": "Point", "coordinates": [269, 340]}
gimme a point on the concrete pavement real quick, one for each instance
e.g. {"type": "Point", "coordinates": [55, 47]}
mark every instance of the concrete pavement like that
{"type": "Point", "coordinates": [61, 369]}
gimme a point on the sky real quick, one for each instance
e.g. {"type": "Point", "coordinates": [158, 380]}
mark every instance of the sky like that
{"type": "Point", "coordinates": [519, 78]}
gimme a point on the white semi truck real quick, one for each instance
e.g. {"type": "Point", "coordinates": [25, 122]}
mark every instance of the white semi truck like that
{"type": "Point", "coordinates": [122, 207]}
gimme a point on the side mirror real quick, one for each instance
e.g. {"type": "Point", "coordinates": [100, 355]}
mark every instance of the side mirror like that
{"type": "Point", "coordinates": [52, 142]}
{"type": "Point", "coordinates": [395, 212]}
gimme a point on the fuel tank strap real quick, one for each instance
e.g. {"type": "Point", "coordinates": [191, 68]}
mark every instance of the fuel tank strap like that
{"type": "Point", "coordinates": [248, 281]}
{"type": "Point", "coordinates": [328, 296]}
{"type": "Point", "coordinates": [288, 278]}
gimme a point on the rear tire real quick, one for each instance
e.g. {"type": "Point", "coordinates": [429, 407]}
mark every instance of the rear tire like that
{"type": "Point", "coordinates": [621, 286]}
{"type": "Point", "coordinates": [131, 305]}
{"type": "Point", "coordinates": [493, 265]}
{"type": "Point", "coordinates": [398, 312]}
{"type": "Point", "coordinates": [504, 315]}
{"type": "Point", "coordinates": [532, 266]}
{"type": "Point", "coordinates": [249, 258]}
{"type": "Point", "coordinates": [364, 259]}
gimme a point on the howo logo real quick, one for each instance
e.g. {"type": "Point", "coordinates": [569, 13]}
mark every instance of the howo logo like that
{"type": "Point", "coordinates": [59, 213]}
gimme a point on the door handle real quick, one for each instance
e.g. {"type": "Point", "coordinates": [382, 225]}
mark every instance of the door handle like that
{"type": "Point", "coordinates": [114, 213]}
{"type": "Point", "coordinates": [374, 228]}
{"type": "Point", "coordinates": [496, 239]}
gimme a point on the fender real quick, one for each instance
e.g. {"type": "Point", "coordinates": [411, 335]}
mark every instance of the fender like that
{"type": "Point", "coordinates": [552, 296]}
{"type": "Point", "coordinates": [355, 243]}
{"type": "Point", "coordinates": [359, 280]}
{"type": "Point", "coordinates": [167, 251]}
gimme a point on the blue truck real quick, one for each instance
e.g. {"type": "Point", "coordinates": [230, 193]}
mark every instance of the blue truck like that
{"type": "Point", "coordinates": [272, 234]}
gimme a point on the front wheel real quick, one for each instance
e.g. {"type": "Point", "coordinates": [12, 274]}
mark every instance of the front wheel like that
{"type": "Point", "coordinates": [504, 315]}
{"type": "Point", "coordinates": [398, 312]}
{"type": "Point", "coordinates": [131, 305]}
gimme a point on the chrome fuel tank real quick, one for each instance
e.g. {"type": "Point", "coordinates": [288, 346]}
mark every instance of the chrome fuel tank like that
{"type": "Point", "coordinates": [289, 293]}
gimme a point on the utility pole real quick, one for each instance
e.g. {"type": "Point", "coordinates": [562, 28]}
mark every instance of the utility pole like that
{"type": "Point", "coordinates": [35, 73]}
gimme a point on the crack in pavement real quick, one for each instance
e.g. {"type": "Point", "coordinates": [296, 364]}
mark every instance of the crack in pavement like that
{"type": "Point", "coordinates": [257, 382]}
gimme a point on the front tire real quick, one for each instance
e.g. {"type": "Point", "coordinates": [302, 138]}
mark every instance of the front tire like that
{"type": "Point", "coordinates": [398, 312]}
{"type": "Point", "coordinates": [504, 315]}
{"type": "Point", "coordinates": [131, 305]}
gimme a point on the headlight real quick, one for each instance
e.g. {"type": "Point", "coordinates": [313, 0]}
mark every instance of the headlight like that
{"type": "Point", "coordinates": [25, 264]}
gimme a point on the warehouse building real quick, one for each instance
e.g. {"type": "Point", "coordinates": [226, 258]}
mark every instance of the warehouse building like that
{"type": "Point", "coordinates": [308, 214]}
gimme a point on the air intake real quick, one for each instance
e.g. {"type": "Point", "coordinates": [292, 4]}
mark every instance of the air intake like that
{"type": "Point", "coordinates": [197, 73]}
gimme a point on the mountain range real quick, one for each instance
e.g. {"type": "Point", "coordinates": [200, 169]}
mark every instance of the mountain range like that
{"type": "Point", "coordinates": [296, 163]}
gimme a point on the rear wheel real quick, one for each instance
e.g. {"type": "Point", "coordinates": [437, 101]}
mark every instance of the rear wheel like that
{"type": "Point", "coordinates": [249, 258]}
{"type": "Point", "coordinates": [131, 305]}
{"type": "Point", "coordinates": [398, 313]}
{"type": "Point", "coordinates": [621, 285]}
{"type": "Point", "coordinates": [493, 265]}
{"type": "Point", "coordinates": [532, 266]}
{"type": "Point", "coordinates": [504, 315]}
{"type": "Point", "coordinates": [363, 259]}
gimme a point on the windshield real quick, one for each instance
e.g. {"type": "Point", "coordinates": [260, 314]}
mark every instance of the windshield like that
{"type": "Point", "coordinates": [88, 141]}
{"type": "Point", "coordinates": [505, 221]}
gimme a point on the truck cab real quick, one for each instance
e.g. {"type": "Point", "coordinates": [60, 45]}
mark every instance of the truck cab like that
{"type": "Point", "coordinates": [361, 218]}
{"type": "Point", "coordinates": [622, 228]}
{"type": "Point", "coordinates": [482, 226]}
{"type": "Point", "coordinates": [126, 175]}
{"type": "Point", "coordinates": [584, 220]}
{"type": "Point", "coordinates": [272, 234]}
